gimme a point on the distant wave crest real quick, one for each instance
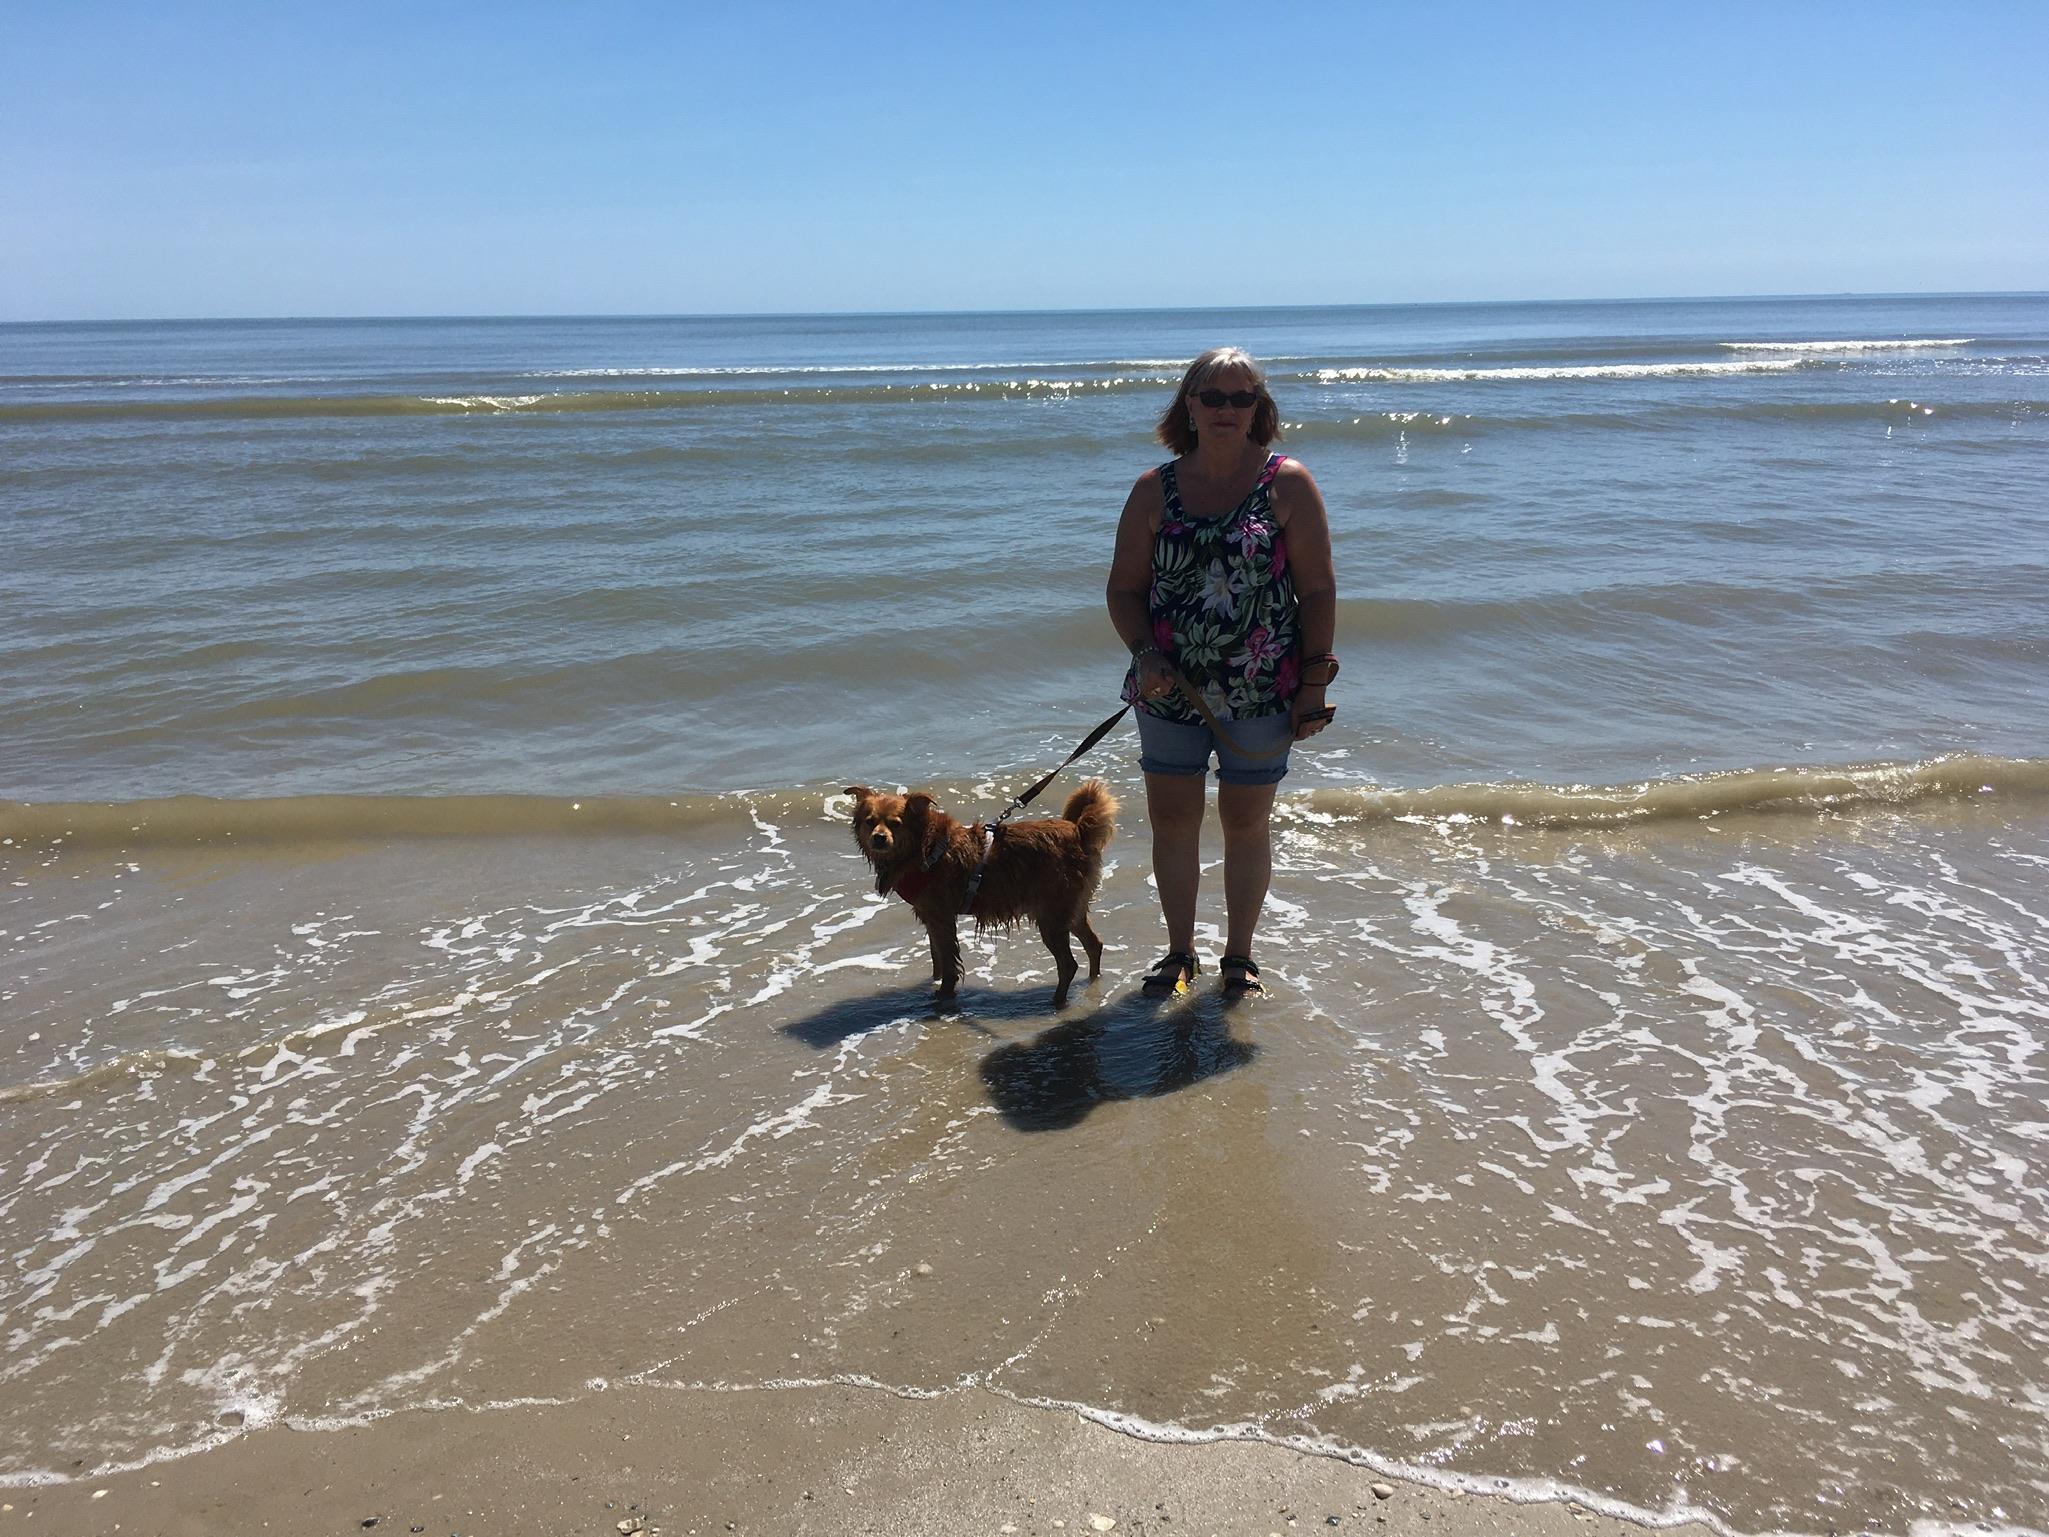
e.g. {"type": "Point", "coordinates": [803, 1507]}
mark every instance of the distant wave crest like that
{"type": "Point", "coordinates": [186, 821]}
{"type": "Point", "coordinates": [811, 370]}
{"type": "Point", "coordinates": [1898, 344]}
{"type": "Point", "coordinates": [1558, 371]}
{"type": "Point", "coordinates": [1951, 778]}
{"type": "Point", "coordinates": [263, 407]}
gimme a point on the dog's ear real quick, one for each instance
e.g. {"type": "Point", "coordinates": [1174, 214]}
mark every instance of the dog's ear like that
{"type": "Point", "coordinates": [919, 814]}
{"type": "Point", "coordinates": [859, 792]}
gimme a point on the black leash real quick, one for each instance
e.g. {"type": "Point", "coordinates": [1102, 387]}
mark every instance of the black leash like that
{"type": "Point", "coordinates": [1202, 708]}
{"type": "Point", "coordinates": [1087, 742]}
{"type": "Point", "coordinates": [991, 829]}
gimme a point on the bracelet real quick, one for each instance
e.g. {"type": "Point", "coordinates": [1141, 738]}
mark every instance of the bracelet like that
{"type": "Point", "coordinates": [1140, 653]}
{"type": "Point", "coordinates": [1328, 678]}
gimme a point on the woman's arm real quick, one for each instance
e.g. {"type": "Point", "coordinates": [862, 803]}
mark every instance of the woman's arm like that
{"type": "Point", "coordinates": [1298, 506]}
{"type": "Point", "coordinates": [1131, 580]}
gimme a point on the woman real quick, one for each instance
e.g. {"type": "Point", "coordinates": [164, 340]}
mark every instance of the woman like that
{"type": "Point", "coordinates": [1223, 575]}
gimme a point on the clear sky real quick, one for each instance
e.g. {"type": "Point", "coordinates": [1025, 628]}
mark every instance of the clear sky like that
{"type": "Point", "coordinates": [183, 158]}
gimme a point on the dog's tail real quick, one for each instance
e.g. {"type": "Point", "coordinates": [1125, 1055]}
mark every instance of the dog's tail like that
{"type": "Point", "coordinates": [1093, 811]}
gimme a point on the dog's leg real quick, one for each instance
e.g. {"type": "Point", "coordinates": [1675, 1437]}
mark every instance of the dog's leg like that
{"type": "Point", "coordinates": [945, 954]}
{"type": "Point", "coordinates": [1090, 943]}
{"type": "Point", "coordinates": [1054, 932]}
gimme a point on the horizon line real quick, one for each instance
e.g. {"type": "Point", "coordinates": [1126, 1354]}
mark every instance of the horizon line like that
{"type": "Point", "coordinates": [1150, 309]}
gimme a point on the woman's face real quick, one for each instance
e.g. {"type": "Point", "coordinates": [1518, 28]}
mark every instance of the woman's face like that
{"type": "Point", "coordinates": [1228, 419]}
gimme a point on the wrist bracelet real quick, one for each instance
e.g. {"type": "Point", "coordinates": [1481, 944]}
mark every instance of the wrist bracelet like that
{"type": "Point", "coordinates": [1140, 653]}
{"type": "Point", "coordinates": [1328, 659]}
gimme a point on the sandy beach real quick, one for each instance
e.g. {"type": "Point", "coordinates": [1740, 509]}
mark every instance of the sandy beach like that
{"type": "Point", "coordinates": [801, 1460]}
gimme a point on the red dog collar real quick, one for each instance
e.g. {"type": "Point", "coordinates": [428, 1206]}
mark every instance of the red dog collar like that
{"type": "Point", "coordinates": [912, 883]}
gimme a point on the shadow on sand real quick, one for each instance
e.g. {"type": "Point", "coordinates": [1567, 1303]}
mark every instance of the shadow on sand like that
{"type": "Point", "coordinates": [1133, 1047]}
{"type": "Point", "coordinates": [855, 1016]}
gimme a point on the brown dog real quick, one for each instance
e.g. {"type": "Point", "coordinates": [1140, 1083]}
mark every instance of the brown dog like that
{"type": "Point", "coordinates": [1045, 870]}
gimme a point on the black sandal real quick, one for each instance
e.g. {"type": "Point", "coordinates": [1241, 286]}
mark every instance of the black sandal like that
{"type": "Point", "coordinates": [1171, 974]}
{"type": "Point", "coordinates": [1245, 982]}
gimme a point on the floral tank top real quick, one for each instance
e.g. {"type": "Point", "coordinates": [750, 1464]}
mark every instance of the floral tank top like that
{"type": "Point", "coordinates": [1223, 606]}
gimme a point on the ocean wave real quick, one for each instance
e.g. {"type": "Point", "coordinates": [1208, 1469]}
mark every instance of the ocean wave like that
{"type": "Point", "coordinates": [190, 820]}
{"type": "Point", "coordinates": [186, 820]}
{"type": "Point", "coordinates": [1882, 345]}
{"type": "Point", "coordinates": [486, 402]}
{"type": "Point", "coordinates": [177, 381]}
{"type": "Point", "coordinates": [1948, 779]}
{"type": "Point", "coordinates": [260, 407]}
{"type": "Point", "coordinates": [812, 370]}
{"type": "Point", "coordinates": [1897, 409]}
{"type": "Point", "coordinates": [1673, 411]}
{"type": "Point", "coordinates": [1555, 371]}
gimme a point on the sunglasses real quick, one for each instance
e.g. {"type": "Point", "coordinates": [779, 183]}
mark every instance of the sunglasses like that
{"type": "Point", "coordinates": [1244, 400]}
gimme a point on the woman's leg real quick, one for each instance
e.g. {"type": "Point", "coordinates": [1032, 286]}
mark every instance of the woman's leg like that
{"type": "Point", "coordinates": [1246, 812]}
{"type": "Point", "coordinates": [1173, 804]}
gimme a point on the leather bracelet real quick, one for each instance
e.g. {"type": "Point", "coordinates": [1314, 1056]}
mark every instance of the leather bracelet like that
{"type": "Point", "coordinates": [1315, 661]}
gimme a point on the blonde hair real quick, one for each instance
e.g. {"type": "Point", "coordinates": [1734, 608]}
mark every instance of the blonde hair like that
{"type": "Point", "coordinates": [1174, 429]}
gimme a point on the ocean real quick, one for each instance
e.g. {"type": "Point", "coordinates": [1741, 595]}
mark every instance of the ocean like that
{"type": "Point", "coordinates": [437, 970]}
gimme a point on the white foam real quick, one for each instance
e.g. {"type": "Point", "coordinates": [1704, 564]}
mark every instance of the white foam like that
{"type": "Point", "coordinates": [797, 370]}
{"type": "Point", "coordinates": [1882, 345]}
{"type": "Point", "coordinates": [476, 1159]}
{"type": "Point", "coordinates": [792, 1118]}
{"type": "Point", "coordinates": [1561, 371]}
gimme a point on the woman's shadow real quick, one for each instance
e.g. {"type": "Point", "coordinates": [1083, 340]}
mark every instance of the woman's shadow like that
{"type": "Point", "coordinates": [1136, 1048]}
{"type": "Point", "coordinates": [1132, 1048]}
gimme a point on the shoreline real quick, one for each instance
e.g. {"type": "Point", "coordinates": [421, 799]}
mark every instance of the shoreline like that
{"type": "Point", "coordinates": [808, 1459]}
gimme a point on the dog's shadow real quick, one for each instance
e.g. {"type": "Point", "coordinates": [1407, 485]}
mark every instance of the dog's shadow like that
{"type": "Point", "coordinates": [1131, 1048]}
{"type": "Point", "coordinates": [856, 1016]}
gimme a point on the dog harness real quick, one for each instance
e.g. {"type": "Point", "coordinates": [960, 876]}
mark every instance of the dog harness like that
{"type": "Point", "coordinates": [912, 883]}
{"type": "Point", "coordinates": [975, 880]}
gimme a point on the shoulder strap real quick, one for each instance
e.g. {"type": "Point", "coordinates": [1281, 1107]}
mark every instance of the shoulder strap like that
{"type": "Point", "coordinates": [1273, 468]}
{"type": "Point", "coordinates": [1170, 488]}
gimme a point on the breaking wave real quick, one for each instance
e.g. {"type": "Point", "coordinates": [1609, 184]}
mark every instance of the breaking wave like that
{"type": "Point", "coordinates": [194, 820]}
{"type": "Point", "coordinates": [1558, 371]}
{"type": "Point", "coordinates": [1949, 779]}
{"type": "Point", "coordinates": [1881, 345]}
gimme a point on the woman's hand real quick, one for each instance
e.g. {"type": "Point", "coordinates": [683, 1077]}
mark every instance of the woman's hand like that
{"type": "Point", "coordinates": [1308, 703]}
{"type": "Point", "coordinates": [1155, 676]}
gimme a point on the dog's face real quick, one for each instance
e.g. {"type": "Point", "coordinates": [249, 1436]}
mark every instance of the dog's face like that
{"type": "Point", "coordinates": [889, 827]}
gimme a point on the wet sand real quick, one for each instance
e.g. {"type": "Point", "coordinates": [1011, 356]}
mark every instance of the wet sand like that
{"type": "Point", "coordinates": [831, 1459]}
{"type": "Point", "coordinates": [1692, 1168]}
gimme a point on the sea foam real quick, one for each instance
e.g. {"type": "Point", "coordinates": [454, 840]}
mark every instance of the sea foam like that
{"type": "Point", "coordinates": [1561, 371]}
{"type": "Point", "coordinates": [1898, 344]}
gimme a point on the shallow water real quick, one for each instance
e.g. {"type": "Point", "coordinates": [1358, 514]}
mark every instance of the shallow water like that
{"type": "Point", "coordinates": [1692, 1168]}
{"type": "Point", "coordinates": [1575, 542]}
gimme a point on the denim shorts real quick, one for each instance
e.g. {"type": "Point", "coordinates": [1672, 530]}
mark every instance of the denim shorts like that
{"type": "Point", "coordinates": [1170, 747]}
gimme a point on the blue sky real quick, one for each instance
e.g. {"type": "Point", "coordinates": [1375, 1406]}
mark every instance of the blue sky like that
{"type": "Point", "coordinates": [191, 159]}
